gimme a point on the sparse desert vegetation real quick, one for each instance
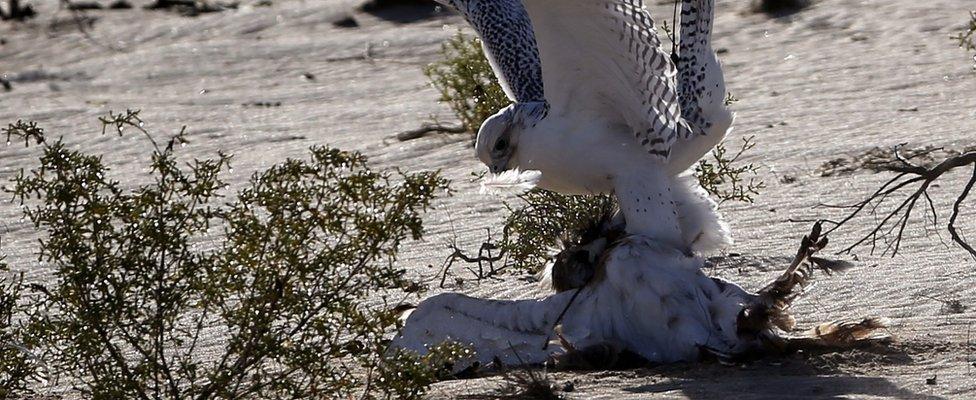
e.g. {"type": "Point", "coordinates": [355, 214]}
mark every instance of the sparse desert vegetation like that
{"type": "Point", "coordinates": [466, 82]}
{"type": "Point", "coordinates": [16, 364]}
{"type": "Point", "coordinates": [967, 38]}
{"type": "Point", "coordinates": [135, 290]}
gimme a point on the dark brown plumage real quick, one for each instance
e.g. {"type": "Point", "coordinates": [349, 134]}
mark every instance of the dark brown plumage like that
{"type": "Point", "coordinates": [769, 320]}
{"type": "Point", "coordinates": [577, 264]}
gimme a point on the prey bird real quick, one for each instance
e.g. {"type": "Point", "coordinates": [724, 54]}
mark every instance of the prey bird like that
{"type": "Point", "coordinates": [645, 302]}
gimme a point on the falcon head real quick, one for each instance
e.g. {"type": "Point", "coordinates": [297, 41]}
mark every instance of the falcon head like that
{"type": "Point", "coordinates": [499, 135]}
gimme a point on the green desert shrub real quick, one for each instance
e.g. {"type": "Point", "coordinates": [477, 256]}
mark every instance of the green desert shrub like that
{"type": "Point", "coordinates": [967, 38]}
{"type": "Point", "coordinates": [724, 176]}
{"type": "Point", "coordinates": [542, 218]}
{"type": "Point", "coordinates": [16, 365]}
{"type": "Point", "coordinates": [405, 375]}
{"type": "Point", "coordinates": [466, 82]}
{"type": "Point", "coordinates": [170, 290]}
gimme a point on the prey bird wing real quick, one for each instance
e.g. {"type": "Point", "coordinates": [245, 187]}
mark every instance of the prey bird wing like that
{"type": "Point", "coordinates": [602, 58]}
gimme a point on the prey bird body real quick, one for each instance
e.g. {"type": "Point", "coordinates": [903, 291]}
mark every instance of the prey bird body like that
{"type": "Point", "coordinates": [647, 299]}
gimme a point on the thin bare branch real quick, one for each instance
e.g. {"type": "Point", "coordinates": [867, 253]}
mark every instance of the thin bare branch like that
{"type": "Point", "coordinates": [892, 226]}
{"type": "Point", "coordinates": [484, 256]}
{"type": "Point", "coordinates": [955, 214]}
{"type": "Point", "coordinates": [426, 128]}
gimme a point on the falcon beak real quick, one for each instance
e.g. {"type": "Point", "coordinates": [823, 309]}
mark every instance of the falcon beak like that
{"type": "Point", "coordinates": [501, 165]}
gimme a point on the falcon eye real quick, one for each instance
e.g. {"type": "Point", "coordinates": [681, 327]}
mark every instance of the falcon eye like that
{"type": "Point", "coordinates": [501, 144]}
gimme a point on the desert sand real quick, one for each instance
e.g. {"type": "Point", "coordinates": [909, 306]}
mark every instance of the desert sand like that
{"type": "Point", "coordinates": [834, 80]}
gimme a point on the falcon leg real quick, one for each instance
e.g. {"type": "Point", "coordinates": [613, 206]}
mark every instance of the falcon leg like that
{"type": "Point", "coordinates": [648, 205]}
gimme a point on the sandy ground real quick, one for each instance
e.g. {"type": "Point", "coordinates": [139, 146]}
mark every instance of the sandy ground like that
{"type": "Point", "coordinates": [833, 80]}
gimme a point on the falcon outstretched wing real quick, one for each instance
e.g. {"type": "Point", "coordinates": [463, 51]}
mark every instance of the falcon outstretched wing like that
{"type": "Point", "coordinates": [509, 43]}
{"type": "Point", "coordinates": [701, 84]}
{"type": "Point", "coordinates": [598, 58]}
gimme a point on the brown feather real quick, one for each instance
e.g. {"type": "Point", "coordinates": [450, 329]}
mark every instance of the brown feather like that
{"type": "Point", "coordinates": [769, 319]}
{"type": "Point", "coordinates": [840, 335]}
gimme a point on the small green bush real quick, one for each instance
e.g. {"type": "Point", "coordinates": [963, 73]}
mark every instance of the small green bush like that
{"type": "Point", "coordinates": [16, 366]}
{"type": "Point", "coordinates": [275, 280]}
{"type": "Point", "coordinates": [967, 38]}
{"type": "Point", "coordinates": [466, 82]}
{"type": "Point", "coordinates": [405, 375]}
{"type": "Point", "coordinates": [724, 177]}
{"type": "Point", "coordinates": [542, 219]}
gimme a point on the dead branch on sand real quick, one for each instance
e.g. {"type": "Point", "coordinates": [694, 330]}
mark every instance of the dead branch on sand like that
{"type": "Point", "coordinates": [967, 38]}
{"type": "Point", "coordinates": [484, 257]}
{"type": "Point", "coordinates": [428, 127]}
{"type": "Point", "coordinates": [84, 23]}
{"type": "Point", "coordinates": [891, 228]}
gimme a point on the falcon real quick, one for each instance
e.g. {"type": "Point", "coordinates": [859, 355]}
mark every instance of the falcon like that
{"type": "Point", "coordinates": [599, 106]}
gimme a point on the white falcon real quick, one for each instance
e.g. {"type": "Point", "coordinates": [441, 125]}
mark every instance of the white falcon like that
{"type": "Point", "coordinates": [599, 105]}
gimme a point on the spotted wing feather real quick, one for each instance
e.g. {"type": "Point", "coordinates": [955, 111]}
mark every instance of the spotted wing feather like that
{"type": "Point", "coordinates": [610, 53]}
{"type": "Point", "coordinates": [701, 84]}
{"type": "Point", "coordinates": [598, 58]}
{"type": "Point", "coordinates": [509, 44]}
{"type": "Point", "coordinates": [694, 47]}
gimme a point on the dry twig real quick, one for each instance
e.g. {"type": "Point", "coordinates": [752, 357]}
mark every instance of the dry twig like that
{"type": "Point", "coordinates": [526, 383]}
{"type": "Point", "coordinates": [484, 257]}
{"type": "Point", "coordinates": [426, 128]}
{"type": "Point", "coordinates": [84, 23]}
{"type": "Point", "coordinates": [892, 227]}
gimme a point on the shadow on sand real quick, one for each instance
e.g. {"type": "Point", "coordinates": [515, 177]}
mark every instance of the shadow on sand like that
{"type": "Point", "coordinates": [403, 11]}
{"type": "Point", "coordinates": [778, 8]}
{"type": "Point", "coordinates": [812, 376]}
{"type": "Point", "coordinates": [756, 384]}
{"type": "Point", "coordinates": [820, 376]}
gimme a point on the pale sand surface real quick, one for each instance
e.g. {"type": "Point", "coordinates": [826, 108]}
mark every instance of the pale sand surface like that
{"type": "Point", "coordinates": [826, 82]}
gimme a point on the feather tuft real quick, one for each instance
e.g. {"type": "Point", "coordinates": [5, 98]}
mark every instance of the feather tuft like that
{"type": "Point", "coordinates": [511, 180]}
{"type": "Point", "coordinates": [842, 335]}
